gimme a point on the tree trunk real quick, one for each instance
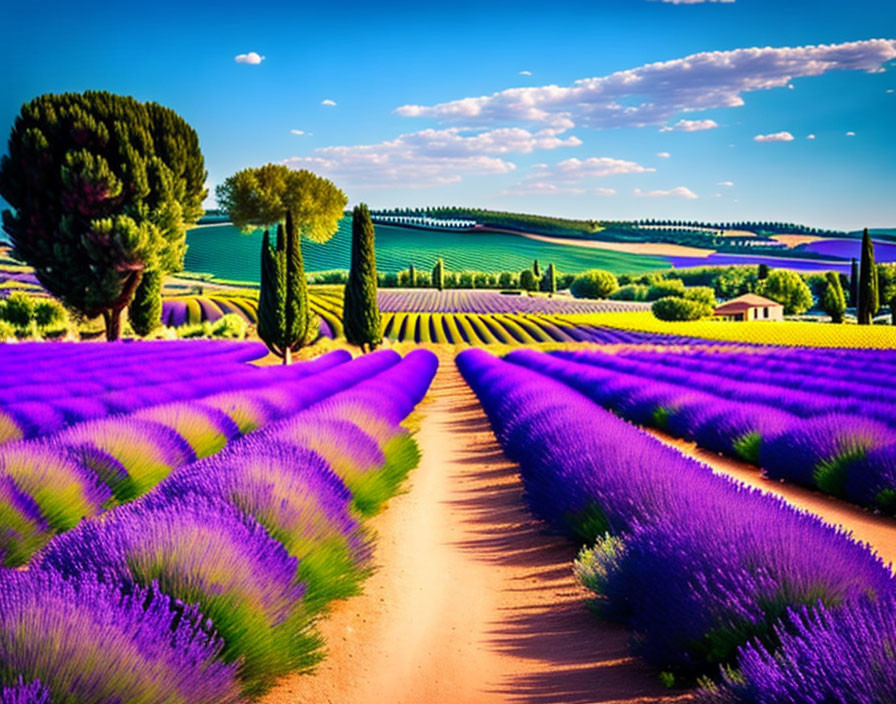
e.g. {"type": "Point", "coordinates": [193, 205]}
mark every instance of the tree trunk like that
{"type": "Point", "coordinates": [287, 356]}
{"type": "Point", "coordinates": [112, 318]}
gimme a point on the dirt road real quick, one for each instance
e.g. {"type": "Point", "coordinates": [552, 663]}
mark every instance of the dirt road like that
{"type": "Point", "coordinates": [472, 602]}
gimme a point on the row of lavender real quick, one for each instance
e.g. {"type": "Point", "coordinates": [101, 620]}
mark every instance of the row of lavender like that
{"type": "Point", "coordinates": [708, 574]}
{"type": "Point", "coordinates": [788, 419]}
{"type": "Point", "coordinates": [44, 387]}
{"type": "Point", "coordinates": [47, 485]}
{"type": "Point", "coordinates": [207, 588]}
{"type": "Point", "coordinates": [418, 300]}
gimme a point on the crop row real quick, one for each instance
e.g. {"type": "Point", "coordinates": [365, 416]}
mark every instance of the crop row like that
{"type": "Point", "coordinates": [821, 438]}
{"type": "Point", "coordinates": [48, 485]}
{"type": "Point", "coordinates": [206, 590]}
{"type": "Point", "coordinates": [125, 378]}
{"type": "Point", "coordinates": [707, 573]}
{"type": "Point", "coordinates": [478, 301]}
{"type": "Point", "coordinates": [508, 329]}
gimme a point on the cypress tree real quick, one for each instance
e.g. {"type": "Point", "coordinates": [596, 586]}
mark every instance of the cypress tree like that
{"type": "Point", "coordinates": [549, 283]}
{"type": "Point", "coordinates": [869, 302]}
{"type": "Point", "coordinates": [438, 274]}
{"type": "Point", "coordinates": [854, 283]}
{"type": "Point", "coordinates": [536, 269]}
{"type": "Point", "coordinates": [763, 272]}
{"type": "Point", "coordinates": [833, 301]}
{"type": "Point", "coordinates": [412, 276]}
{"type": "Point", "coordinates": [361, 315]}
{"type": "Point", "coordinates": [145, 311]}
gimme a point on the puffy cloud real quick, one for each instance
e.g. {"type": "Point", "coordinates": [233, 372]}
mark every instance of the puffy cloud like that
{"type": "Point", "coordinates": [677, 192]}
{"type": "Point", "coordinates": [251, 58]}
{"type": "Point", "coordinates": [891, 90]}
{"type": "Point", "coordinates": [690, 126]}
{"type": "Point", "coordinates": [525, 73]}
{"type": "Point", "coordinates": [297, 131]}
{"type": "Point", "coordinates": [811, 136]}
{"type": "Point", "coordinates": [727, 184]}
{"type": "Point", "coordinates": [655, 93]}
{"type": "Point", "coordinates": [582, 169]}
{"type": "Point", "coordinates": [850, 134]}
{"type": "Point", "coordinates": [774, 137]}
{"type": "Point", "coordinates": [430, 157]}
{"type": "Point", "coordinates": [328, 102]}
{"type": "Point", "coordinates": [663, 155]}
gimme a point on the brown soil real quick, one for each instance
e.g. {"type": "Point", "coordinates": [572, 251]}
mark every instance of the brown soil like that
{"type": "Point", "coordinates": [877, 531]}
{"type": "Point", "coordinates": [472, 602]}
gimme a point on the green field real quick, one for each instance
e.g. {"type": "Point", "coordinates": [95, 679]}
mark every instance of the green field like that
{"type": "Point", "coordinates": [228, 254]}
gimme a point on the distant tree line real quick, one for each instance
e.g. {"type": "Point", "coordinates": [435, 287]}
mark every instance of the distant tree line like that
{"type": "Point", "coordinates": [538, 224]}
{"type": "Point", "coordinates": [759, 228]}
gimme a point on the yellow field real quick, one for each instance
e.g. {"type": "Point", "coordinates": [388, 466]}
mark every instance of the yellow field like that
{"type": "Point", "coordinates": [759, 332]}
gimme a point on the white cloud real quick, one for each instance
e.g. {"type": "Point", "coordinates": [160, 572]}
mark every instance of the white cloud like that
{"type": "Point", "coordinates": [430, 157]}
{"type": "Point", "coordinates": [251, 58]}
{"type": "Point", "coordinates": [574, 170]}
{"type": "Point", "coordinates": [525, 73]}
{"type": "Point", "coordinates": [327, 102]}
{"type": "Point", "coordinates": [774, 137]}
{"type": "Point", "coordinates": [811, 136]}
{"type": "Point", "coordinates": [726, 184]}
{"type": "Point", "coordinates": [690, 126]}
{"type": "Point", "coordinates": [694, 2]}
{"type": "Point", "coordinates": [850, 134]}
{"type": "Point", "coordinates": [663, 155]}
{"type": "Point", "coordinates": [297, 131]}
{"type": "Point", "coordinates": [677, 192]}
{"type": "Point", "coordinates": [891, 90]}
{"type": "Point", "coordinates": [655, 93]}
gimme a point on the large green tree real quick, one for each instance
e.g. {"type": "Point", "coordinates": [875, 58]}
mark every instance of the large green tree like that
{"type": "Point", "coordinates": [789, 289]}
{"type": "Point", "coordinates": [833, 300]}
{"type": "Point", "coordinates": [361, 314]}
{"type": "Point", "coordinates": [869, 298]}
{"type": "Point", "coordinates": [300, 204]}
{"type": "Point", "coordinates": [102, 189]}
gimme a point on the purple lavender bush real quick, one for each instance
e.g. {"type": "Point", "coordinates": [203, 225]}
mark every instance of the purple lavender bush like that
{"type": "Point", "coordinates": [91, 645]}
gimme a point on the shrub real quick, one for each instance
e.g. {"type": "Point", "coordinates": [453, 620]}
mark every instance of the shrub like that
{"type": "Point", "coordinates": [18, 310]}
{"type": "Point", "coordinates": [7, 330]}
{"type": "Point", "coordinates": [701, 294]}
{"type": "Point", "coordinates": [528, 282]}
{"type": "Point", "coordinates": [789, 289]}
{"type": "Point", "coordinates": [664, 289]}
{"type": "Point", "coordinates": [596, 283]}
{"type": "Point", "coordinates": [674, 308]}
{"type": "Point", "coordinates": [505, 280]}
{"type": "Point", "coordinates": [630, 292]}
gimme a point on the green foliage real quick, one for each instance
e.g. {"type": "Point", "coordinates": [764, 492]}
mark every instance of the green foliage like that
{"type": "Point", "coordinates": [763, 272]}
{"type": "Point", "coordinates": [412, 276]}
{"type": "Point", "coordinates": [438, 274]}
{"type": "Point", "coordinates": [145, 311]}
{"type": "Point", "coordinates": [25, 316]}
{"type": "Point", "coordinates": [789, 289]}
{"type": "Point", "coordinates": [630, 292]}
{"type": "Point", "coordinates": [102, 187]}
{"type": "Point", "coordinates": [311, 207]}
{"type": "Point", "coordinates": [665, 288]}
{"type": "Point", "coordinates": [227, 327]}
{"type": "Point", "coordinates": [536, 269]}
{"type": "Point", "coordinates": [833, 301]}
{"type": "Point", "coordinates": [361, 316]}
{"type": "Point", "coordinates": [528, 282]}
{"type": "Point", "coordinates": [596, 283]}
{"type": "Point", "coordinates": [675, 308]}
{"type": "Point", "coordinates": [594, 565]}
{"type": "Point", "coordinates": [506, 280]}
{"type": "Point", "coordinates": [701, 294]}
{"type": "Point", "coordinates": [549, 280]}
{"type": "Point", "coordinates": [539, 224]}
{"type": "Point", "coordinates": [868, 294]}
{"type": "Point", "coordinates": [854, 283]}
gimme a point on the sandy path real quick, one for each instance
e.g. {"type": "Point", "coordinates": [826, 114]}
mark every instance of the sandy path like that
{"type": "Point", "coordinates": [879, 532]}
{"type": "Point", "coordinates": [471, 602]}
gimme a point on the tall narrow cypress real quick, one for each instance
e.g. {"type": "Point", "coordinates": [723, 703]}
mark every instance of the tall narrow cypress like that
{"type": "Point", "coordinates": [438, 275]}
{"type": "Point", "coordinates": [145, 311]}
{"type": "Point", "coordinates": [536, 269]}
{"type": "Point", "coordinates": [854, 283]}
{"type": "Point", "coordinates": [549, 283]}
{"type": "Point", "coordinates": [412, 276]}
{"type": "Point", "coordinates": [361, 314]}
{"type": "Point", "coordinates": [869, 301]}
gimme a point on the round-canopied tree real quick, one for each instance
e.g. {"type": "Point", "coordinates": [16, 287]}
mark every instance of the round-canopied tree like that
{"type": "Point", "coordinates": [528, 282]}
{"type": "Point", "coordinates": [300, 204]}
{"type": "Point", "coordinates": [102, 189]}
{"type": "Point", "coordinates": [789, 289]}
{"type": "Point", "coordinates": [361, 314]}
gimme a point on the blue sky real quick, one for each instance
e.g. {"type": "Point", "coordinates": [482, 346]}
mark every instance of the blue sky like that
{"type": "Point", "coordinates": [612, 119]}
